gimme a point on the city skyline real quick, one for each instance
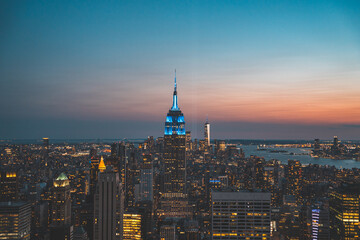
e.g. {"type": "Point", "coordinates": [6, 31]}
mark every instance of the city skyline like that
{"type": "Point", "coordinates": [258, 70]}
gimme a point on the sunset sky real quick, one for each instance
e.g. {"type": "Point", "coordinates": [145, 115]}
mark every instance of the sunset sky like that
{"type": "Point", "coordinates": [258, 69]}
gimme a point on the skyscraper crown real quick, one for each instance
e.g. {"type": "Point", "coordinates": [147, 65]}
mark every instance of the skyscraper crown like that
{"type": "Point", "coordinates": [175, 123]}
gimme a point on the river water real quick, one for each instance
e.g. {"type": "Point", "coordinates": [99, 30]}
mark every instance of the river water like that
{"type": "Point", "coordinates": [304, 159]}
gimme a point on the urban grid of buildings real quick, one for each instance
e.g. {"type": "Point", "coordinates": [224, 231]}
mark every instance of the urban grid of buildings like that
{"type": "Point", "coordinates": [174, 188]}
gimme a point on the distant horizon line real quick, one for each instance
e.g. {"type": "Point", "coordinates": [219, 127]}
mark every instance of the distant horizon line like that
{"type": "Point", "coordinates": [143, 139]}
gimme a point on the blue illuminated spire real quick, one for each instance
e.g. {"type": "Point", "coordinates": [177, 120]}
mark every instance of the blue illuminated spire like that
{"type": "Point", "coordinates": [175, 80]}
{"type": "Point", "coordinates": [175, 122]}
{"type": "Point", "coordinates": [175, 104]}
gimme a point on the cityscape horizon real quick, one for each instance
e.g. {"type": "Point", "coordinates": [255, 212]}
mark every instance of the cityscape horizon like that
{"type": "Point", "coordinates": [180, 120]}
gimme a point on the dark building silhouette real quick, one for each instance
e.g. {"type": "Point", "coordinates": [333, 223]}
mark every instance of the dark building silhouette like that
{"type": "Point", "coordinates": [108, 206]}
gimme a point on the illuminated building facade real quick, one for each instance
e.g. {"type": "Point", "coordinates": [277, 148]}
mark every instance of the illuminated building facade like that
{"type": "Point", "coordinates": [132, 226]}
{"type": "Point", "coordinates": [320, 225]}
{"type": "Point", "coordinates": [45, 149]}
{"type": "Point", "coordinates": [294, 177]}
{"type": "Point", "coordinates": [207, 134]}
{"type": "Point", "coordinates": [94, 170]}
{"type": "Point", "coordinates": [168, 232]}
{"type": "Point", "coordinates": [344, 213]}
{"type": "Point", "coordinates": [240, 215]}
{"type": "Point", "coordinates": [131, 180]}
{"type": "Point", "coordinates": [102, 166]}
{"type": "Point", "coordinates": [81, 186]}
{"type": "Point", "coordinates": [259, 173]}
{"type": "Point", "coordinates": [61, 201]}
{"type": "Point", "coordinates": [15, 220]}
{"type": "Point", "coordinates": [146, 179]}
{"type": "Point", "coordinates": [219, 182]}
{"type": "Point", "coordinates": [174, 205]}
{"type": "Point", "coordinates": [174, 149]}
{"type": "Point", "coordinates": [108, 206]}
{"type": "Point", "coordinates": [118, 159]}
{"type": "Point", "coordinates": [220, 147]}
{"type": "Point", "coordinates": [188, 144]}
{"type": "Point", "coordinates": [9, 186]}
{"type": "Point", "coordinates": [173, 202]}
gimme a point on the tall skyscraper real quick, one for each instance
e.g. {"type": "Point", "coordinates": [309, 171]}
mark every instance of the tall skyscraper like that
{"type": "Point", "coordinates": [108, 206]}
{"type": "Point", "coordinates": [344, 212]}
{"type": "Point", "coordinates": [207, 134]}
{"type": "Point", "coordinates": [174, 149]}
{"type": "Point", "coordinates": [131, 179]}
{"type": "Point", "coordinates": [318, 220]}
{"type": "Point", "coordinates": [336, 141]}
{"type": "Point", "coordinates": [9, 186]}
{"type": "Point", "coordinates": [61, 227]}
{"type": "Point", "coordinates": [294, 178]}
{"type": "Point", "coordinates": [146, 179]}
{"type": "Point", "coordinates": [188, 141]}
{"type": "Point", "coordinates": [61, 201]}
{"type": "Point", "coordinates": [45, 148]}
{"type": "Point", "coordinates": [15, 220]}
{"type": "Point", "coordinates": [173, 202]}
{"type": "Point", "coordinates": [94, 170]}
{"type": "Point", "coordinates": [240, 215]}
{"type": "Point", "coordinates": [118, 159]}
{"type": "Point", "coordinates": [335, 147]}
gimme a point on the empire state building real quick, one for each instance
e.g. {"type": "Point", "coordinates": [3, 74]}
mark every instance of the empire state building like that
{"type": "Point", "coordinates": [174, 149]}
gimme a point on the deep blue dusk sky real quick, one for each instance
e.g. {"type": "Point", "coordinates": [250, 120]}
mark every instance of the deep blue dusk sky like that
{"type": "Point", "coordinates": [105, 69]}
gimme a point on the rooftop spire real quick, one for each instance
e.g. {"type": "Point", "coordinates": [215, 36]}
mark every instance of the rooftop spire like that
{"type": "Point", "coordinates": [102, 166]}
{"type": "Point", "coordinates": [175, 105]}
{"type": "Point", "coordinates": [175, 81]}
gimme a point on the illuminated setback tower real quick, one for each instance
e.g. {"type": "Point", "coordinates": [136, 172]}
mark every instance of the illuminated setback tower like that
{"type": "Point", "coordinates": [174, 149]}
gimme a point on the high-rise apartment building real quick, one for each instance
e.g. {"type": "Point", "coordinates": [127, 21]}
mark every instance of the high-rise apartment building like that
{"type": "Point", "coordinates": [108, 206]}
{"type": "Point", "coordinates": [15, 220]}
{"type": "Point", "coordinates": [240, 215]}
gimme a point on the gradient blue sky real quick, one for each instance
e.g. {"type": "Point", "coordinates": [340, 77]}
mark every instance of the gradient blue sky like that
{"type": "Point", "coordinates": [104, 69]}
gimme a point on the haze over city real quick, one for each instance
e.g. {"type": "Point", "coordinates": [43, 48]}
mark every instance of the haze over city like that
{"type": "Point", "coordinates": [273, 70]}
